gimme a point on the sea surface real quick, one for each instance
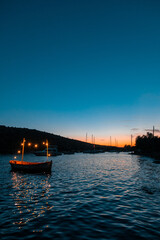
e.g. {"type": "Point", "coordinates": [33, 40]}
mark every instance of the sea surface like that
{"type": "Point", "coordinates": [87, 196]}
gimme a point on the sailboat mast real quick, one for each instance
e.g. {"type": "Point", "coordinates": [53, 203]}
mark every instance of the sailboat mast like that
{"type": "Point", "coordinates": [23, 149]}
{"type": "Point", "coordinates": [131, 139]}
{"type": "Point", "coordinates": [47, 148]}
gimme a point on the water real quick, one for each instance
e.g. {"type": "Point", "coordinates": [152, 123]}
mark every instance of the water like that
{"type": "Point", "coordinates": [87, 196]}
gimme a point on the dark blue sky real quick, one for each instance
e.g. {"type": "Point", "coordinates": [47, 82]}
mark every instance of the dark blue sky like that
{"type": "Point", "coordinates": [72, 67]}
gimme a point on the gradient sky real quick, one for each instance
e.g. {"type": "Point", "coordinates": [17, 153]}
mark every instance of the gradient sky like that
{"type": "Point", "coordinates": [75, 66]}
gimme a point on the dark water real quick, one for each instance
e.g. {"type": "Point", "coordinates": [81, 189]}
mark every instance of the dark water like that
{"type": "Point", "coordinates": [103, 196]}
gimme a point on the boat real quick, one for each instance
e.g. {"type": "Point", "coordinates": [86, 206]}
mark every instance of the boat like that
{"type": "Point", "coordinates": [93, 151]}
{"type": "Point", "coordinates": [35, 167]}
{"type": "Point", "coordinates": [52, 151]}
{"type": "Point", "coordinates": [31, 167]}
{"type": "Point", "coordinates": [68, 152]}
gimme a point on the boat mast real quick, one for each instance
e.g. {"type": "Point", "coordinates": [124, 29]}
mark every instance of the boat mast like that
{"type": "Point", "coordinates": [47, 148]}
{"type": "Point", "coordinates": [23, 149]}
{"type": "Point", "coordinates": [131, 139]}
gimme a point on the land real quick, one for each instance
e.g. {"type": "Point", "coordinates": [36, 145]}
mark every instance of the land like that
{"type": "Point", "coordinates": [148, 145]}
{"type": "Point", "coordinates": [11, 139]}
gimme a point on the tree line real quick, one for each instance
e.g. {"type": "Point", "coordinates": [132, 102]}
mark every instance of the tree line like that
{"type": "Point", "coordinates": [148, 145]}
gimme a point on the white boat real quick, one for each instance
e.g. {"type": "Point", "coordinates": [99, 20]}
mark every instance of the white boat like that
{"type": "Point", "coordinates": [52, 151]}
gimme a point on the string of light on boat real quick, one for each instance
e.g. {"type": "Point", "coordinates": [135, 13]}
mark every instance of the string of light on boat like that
{"type": "Point", "coordinates": [35, 145]}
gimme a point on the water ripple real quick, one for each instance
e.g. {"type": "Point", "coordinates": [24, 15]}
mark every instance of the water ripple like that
{"type": "Point", "coordinates": [104, 196]}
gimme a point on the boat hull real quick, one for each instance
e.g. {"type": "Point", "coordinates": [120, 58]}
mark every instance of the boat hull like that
{"type": "Point", "coordinates": [31, 167]}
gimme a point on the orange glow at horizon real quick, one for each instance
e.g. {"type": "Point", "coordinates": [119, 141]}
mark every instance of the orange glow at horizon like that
{"type": "Point", "coordinates": [118, 141]}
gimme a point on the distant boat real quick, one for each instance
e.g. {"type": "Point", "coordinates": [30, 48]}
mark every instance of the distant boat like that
{"type": "Point", "coordinates": [30, 167]}
{"type": "Point", "coordinates": [52, 151]}
{"type": "Point", "coordinates": [93, 151]}
{"type": "Point", "coordinates": [68, 152]}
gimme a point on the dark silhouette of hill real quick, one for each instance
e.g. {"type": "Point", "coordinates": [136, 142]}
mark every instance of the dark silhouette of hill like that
{"type": "Point", "coordinates": [11, 139]}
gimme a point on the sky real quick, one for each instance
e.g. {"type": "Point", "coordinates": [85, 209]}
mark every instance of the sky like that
{"type": "Point", "coordinates": [81, 66]}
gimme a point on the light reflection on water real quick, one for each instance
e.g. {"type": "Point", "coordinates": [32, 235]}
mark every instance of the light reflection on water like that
{"type": "Point", "coordinates": [31, 199]}
{"type": "Point", "coordinates": [103, 196]}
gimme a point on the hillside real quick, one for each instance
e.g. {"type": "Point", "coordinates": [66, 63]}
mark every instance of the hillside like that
{"type": "Point", "coordinates": [11, 138]}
